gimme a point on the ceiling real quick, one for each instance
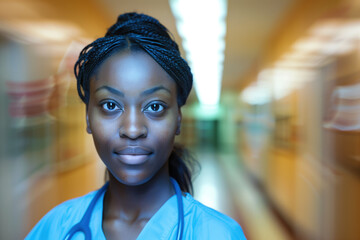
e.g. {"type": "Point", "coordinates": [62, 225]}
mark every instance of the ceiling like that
{"type": "Point", "coordinates": [250, 23]}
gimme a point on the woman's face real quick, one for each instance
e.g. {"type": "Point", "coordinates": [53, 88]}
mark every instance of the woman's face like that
{"type": "Point", "coordinates": [133, 116]}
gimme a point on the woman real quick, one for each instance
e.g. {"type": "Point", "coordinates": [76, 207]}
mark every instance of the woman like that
{"type": "Point", "coordinates": [134, 82]}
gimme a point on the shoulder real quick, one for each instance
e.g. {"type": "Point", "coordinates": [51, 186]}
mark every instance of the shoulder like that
{"type": "Point", "coordinates": [73, 205]}
{"type": "Point", "coordinates": [208, 223]}
{"type": "Point", "coordinates": [59, 219]}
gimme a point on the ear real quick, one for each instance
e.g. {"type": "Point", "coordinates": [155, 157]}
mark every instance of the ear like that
{"type": "Point", "coordinates": [88, 129]}
{"type": "Point", "coordinates": [178, 124]}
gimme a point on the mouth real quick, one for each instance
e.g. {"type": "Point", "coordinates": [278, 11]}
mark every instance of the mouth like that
{"type": "Point", "coordinates": [132, 155]}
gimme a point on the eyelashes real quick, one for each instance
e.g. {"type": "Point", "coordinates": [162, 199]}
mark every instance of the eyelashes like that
{"type": "Point", "coordinates": [110, 106]}
{"type": "Point", "coordinates": [153, 108]}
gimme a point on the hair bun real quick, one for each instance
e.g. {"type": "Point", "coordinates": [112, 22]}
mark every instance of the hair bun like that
{"type": "Point", "coordinates": [138, 24]}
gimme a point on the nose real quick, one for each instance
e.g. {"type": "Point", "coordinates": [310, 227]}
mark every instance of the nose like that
{"type": "Point", "coordinates": [132, 125]}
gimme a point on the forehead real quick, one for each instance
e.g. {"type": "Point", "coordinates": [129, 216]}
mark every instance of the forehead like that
{"type": "Point", "coordinates": [132, 70]}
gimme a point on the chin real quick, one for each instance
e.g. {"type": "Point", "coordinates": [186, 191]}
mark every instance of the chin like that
{"type": "Point", "coordinates": [138, 177]}
{"type": "Point", "coordinates": [132, 179]}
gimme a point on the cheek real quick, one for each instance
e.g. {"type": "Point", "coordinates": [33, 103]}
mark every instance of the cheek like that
{"type": "Point", "coordinates": [165, 131]}
{"type": "Point", "coordinates": [102, 131]}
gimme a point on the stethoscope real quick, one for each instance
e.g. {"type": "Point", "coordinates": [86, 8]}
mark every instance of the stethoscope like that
{"type": "Point", "coordinates": [84, 224]}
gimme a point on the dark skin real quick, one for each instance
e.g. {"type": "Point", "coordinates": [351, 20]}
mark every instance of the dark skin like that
{"type": "Point", "coordinates": [127, 210]}
{"type": "Point", "coordinates": [133, 116]}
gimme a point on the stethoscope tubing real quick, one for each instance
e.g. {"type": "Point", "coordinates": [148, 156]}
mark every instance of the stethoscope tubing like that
{"type": "Point", "coordinates": [84, 224]}
{"type": "Point", "coordinates": [180, 206]}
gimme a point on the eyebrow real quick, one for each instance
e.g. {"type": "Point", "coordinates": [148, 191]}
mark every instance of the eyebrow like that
{"type": "Point", "coordinates": [155, 89]}
{"type": "Point", "coordinates": [112, 90]}
{"type": "Point", "coordinates": [121, 94]}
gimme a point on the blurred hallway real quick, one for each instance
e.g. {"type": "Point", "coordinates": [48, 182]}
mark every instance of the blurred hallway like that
{"type": "Point", "coordinates": [224, 185]}
{"type": "Point", "coordinates": [280, 153]}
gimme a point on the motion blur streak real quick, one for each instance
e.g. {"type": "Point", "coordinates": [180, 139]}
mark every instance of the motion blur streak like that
{"type": "Point", "coordinates": [280, 153]}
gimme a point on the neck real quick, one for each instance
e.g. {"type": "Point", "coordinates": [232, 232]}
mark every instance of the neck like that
{"type": "Point", "coordinates": [133, 203]}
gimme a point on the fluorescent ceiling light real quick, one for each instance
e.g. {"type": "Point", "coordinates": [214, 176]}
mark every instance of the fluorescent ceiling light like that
{"type": "Point", "coordinates": [309, 45]}
{"type": "Point", "coordinates": [326, 29]}
{"type": "Point", "coordinates": [330, 38]}
{"type": "Point", "coordinates": [202, 27]}
{"type": "Point", "coordinates": [276, 83]}
{"type": "Point", "coordinates": [256, 94]}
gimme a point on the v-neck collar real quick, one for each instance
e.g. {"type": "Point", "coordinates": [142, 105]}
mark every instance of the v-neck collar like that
{"type": "Point", "coordinates": [159, 226]}
{"type": "Point", "coordinates": [162, 223]}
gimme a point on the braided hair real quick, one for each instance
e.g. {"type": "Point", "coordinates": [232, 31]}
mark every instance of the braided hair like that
{"type": "Point", "coordinates": [136, 32]}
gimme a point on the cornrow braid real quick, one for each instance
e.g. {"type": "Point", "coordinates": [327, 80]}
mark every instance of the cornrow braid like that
{"type": "Point", "coordinates": [90, 58]}
{"type": "Point", "coordinates": [176, 67]}
{"type": "Point", "coordinates": [131, 23]}
{"type": "Point", "coordinates": [134, 32]}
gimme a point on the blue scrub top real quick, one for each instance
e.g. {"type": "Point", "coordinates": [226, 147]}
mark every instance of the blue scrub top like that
{"type": "Point", "coordinates": [201, 222]}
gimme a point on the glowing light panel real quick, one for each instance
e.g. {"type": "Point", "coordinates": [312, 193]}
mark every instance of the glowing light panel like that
{"type": "Point", "coordinates": [202, 27]}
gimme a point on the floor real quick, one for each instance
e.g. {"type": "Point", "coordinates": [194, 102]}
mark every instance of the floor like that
{"type": "Point", "coordinates": [223, 185]}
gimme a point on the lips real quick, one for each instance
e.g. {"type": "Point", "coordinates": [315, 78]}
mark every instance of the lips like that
{"type": "Point", "coordinates": [132, 155]}
{"type": "Point", "coordinates": [133, 150]}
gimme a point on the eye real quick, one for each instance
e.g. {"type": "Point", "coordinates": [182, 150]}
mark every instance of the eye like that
{"type": "Point", "coordinates": [110, 106]}
{"type": "Point", "coordinates": [154, 107]}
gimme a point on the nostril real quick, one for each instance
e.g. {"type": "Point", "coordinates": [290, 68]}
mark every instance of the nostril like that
{"type": "Point", "coordinates": [133, 124]}
{"type": "Point", "coordinates": [133, 133]}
